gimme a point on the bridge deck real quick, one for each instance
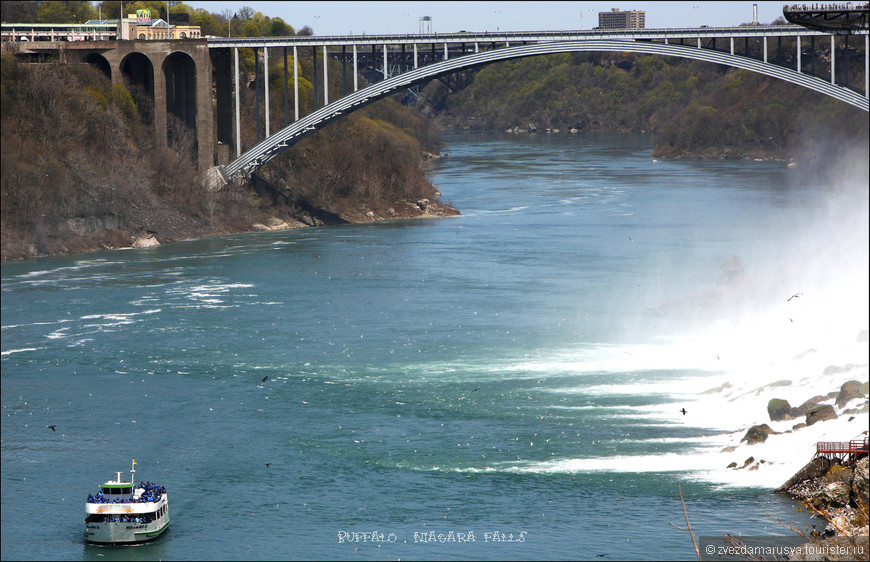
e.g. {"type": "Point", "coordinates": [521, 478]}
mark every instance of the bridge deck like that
{"type": "Point", "coordinates": [468, 37]}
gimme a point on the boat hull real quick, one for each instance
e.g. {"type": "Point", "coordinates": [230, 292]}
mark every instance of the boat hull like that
{"type": "Point", "coordinates": [124, 533]}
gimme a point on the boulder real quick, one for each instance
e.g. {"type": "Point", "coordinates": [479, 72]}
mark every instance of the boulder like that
{"type": "Point", "coordinates": [806, 406]}
{"type": "Point", "coordinates": [837, 493]}
{"type": "Point", "coordinates": [757, 434]}
{"type": "Point", "coordinates": [821, 413]}
{"type": "Point", "coordinates": [798, 426]}
{"type": "Point", "coordinates": [145, 241]}
{"type": "Point", "coordinates": [779, 410]}
{"type": "Point", "coordinates": [732, 465]}
{"type": "Point", "coordinates": [214, 180]}
{"type": "Point", "coordinates": [849, 390]}
{"type": "Point", "coordinates": [861, 481]}
{"type": "Point", "coordinates": [839, 473]}
{"type": "Point", "coordinates": [274, 223]}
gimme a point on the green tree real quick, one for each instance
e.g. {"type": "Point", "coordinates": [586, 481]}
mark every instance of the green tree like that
{"type": "Point", "coordinates": [66, 12]}
{"type": "Point", "coordinates": [18, 11]}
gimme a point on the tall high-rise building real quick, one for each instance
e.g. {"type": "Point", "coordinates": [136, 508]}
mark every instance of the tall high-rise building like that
{"type": "Point", "coordinates": [614, 19]}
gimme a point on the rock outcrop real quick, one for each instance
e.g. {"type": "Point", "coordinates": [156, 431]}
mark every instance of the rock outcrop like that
{"type": "Point", "coordinates": [807, 406]}
{"type": "Point", "coordinates": [821, 413]}
{"type": "Point", "coordinates": [145, 241]}
{"type": "Point", "coordinates": [849, 390]}
{"type": "Point", "coordinates": [757, 434]}
{"type": "Point", "coordinates": [779, 410]}
{"type": "Point", "coordinates": [837, 492]}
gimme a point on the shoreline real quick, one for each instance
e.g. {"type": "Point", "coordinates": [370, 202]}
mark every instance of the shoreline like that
{"type": "Point", "coordinates": [94, 241]}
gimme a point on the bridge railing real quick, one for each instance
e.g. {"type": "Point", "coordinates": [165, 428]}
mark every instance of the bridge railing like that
{"type": "Point", "coordinates": [846, 452]}
{"type": "Point", "coordinates": [514, 36]}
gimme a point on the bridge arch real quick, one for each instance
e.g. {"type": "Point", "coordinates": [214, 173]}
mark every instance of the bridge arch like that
{"type": "Point", "coordinates": [179, 73]}
{"type": "Point", "coordinates": [138, 74]}
{"type": "Point", "coordinates": [99, 61]}
{"type": "Point", "coordinates": [269, 148]}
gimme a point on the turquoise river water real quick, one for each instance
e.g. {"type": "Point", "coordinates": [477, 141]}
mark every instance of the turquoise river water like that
{"type": "Point", "coordinates": [513, 375]}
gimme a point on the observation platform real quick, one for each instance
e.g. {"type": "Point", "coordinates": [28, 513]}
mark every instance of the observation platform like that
{"type": "Point", "coordinates": [839, 19]}
{"type": "Point", "coordinates": [844, 453]}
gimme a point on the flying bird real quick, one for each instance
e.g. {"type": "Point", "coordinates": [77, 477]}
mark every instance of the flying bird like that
{"type": "Point", "coordinates": [794, 296]}
{"type": "Point", "coordinates": [268, 464]}
{"type": "Point", "coordinates": [684, 411]}
{"type": "Point", "coordinates": [265, 378]}
{"type": "Point", "coordinates": [51, 427]}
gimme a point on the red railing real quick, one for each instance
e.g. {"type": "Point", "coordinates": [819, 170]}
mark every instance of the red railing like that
{"type": "Point", "coordinates": [845, 452]}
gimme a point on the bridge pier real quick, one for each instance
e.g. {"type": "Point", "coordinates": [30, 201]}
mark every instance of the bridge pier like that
{"type": "Point", "coordinates": [220, 60]}
{"type": "Point", "coordinates": [162, 60]}
{"type": "Point", "coordinates": [296, 81]}
{"type": "Point", "coordinates": [238, 119]}
{"type": "Point", "coordinates": [266, 84]}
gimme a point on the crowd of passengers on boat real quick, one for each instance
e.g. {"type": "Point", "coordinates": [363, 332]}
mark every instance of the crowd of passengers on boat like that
{"type": "Point", "coordinates": [151, 493]}
{"type": "Point", "coordinates": [127, 519]}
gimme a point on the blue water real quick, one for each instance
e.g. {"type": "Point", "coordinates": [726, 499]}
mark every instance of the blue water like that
{"type": "Point", "coordinates": [462, 375]}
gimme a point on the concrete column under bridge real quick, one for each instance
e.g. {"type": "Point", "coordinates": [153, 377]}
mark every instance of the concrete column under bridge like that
{"type": "Point", "coordinates": [183, 65]}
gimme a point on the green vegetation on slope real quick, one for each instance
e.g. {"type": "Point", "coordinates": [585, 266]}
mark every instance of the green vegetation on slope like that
{"type": "Point", "coordinates": [694, 108]}
{"type": "Point", "coordinates": [81, 169]}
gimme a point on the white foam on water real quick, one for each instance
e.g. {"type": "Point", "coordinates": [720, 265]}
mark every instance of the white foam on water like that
{"type": "Point", "coordinates": [12, 326]}
{"type": "Point", "coordinates": [22, 350]}
{"type": "Point", "coordinates": [794, 327]}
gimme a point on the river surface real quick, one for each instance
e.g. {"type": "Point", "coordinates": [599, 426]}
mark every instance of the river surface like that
{"type": "Point", "coordinates": [514, 375]}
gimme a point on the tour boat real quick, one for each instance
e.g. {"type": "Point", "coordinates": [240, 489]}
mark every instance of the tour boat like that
{"type": "Point", "coordinates": [125, 513]}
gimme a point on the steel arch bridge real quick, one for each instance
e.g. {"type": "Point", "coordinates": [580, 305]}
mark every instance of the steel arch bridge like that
{"type": "Point", "coordinates": [263, 152]}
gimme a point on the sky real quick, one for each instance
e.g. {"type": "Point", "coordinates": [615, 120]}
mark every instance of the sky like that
{"type": "Point", "coordinates": [375, 18]}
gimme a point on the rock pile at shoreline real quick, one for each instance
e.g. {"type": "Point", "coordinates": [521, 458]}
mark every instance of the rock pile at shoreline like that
{"type": "Point", "coordinates": [814, 410]}
{"type": "Point", "coordinates": [840, 495]}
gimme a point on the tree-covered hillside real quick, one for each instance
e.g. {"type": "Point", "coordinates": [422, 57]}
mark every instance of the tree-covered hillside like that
{"type": "Point", "coordinates": [693, 108]}
{"type": "Point", "coordinates": [81, 169]}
